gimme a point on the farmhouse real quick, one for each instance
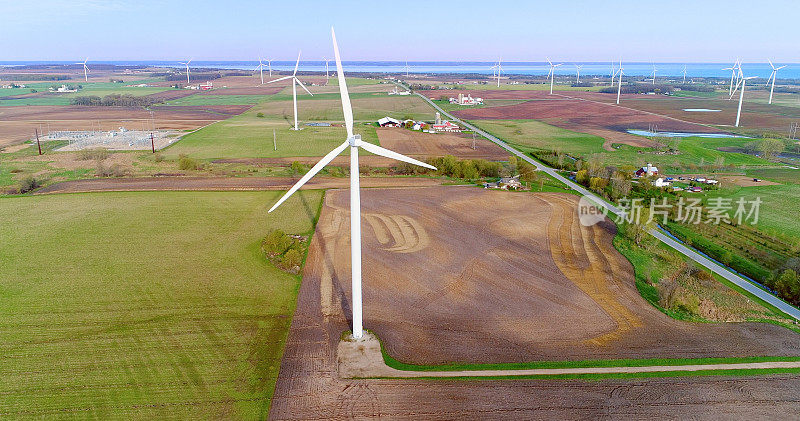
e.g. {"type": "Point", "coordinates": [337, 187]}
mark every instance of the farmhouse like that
{"type": "Point", "coordinates": [661, 182]}
{"type": "Point", "coordinates": [446, 126]}
{"type": "Point", "coordinates": [505, 183]}
{"type": "Point", "coordinates": [396, 92]}
{"type": "Point", "coordinates": [389, 122]}
{"type": "Point", "coordinates": [649, 170]}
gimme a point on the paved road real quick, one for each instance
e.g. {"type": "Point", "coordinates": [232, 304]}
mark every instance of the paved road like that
{"type": "Point", "coordinates": [681, 248]}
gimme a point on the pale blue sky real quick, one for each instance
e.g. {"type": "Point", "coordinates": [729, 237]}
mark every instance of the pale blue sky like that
{"type": "Point", "coordinates": [573, 30]}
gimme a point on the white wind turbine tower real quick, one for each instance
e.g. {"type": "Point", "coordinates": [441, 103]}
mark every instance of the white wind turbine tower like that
{"type": "Point", "coordinates": [85, 70]}
{"type": "Point", "coordinates": [684, 74]}
{"type": "Point", "coordinates": [773, 76]}
{"type": "Point", "coordinates": [187, 69]}
{"type": "Point", "coordinates": [407, 68]}
{"type": "Point", "coordinates": [295, 82]}
{"type": "Point", "coordinates": [654, 74]}
{"type": "Point", "coordinates": [552, 73]}
{"type": "Point", "coordinates": [354, 142]}
{"type": "Point", "coordinates": [742, 82]}
{"type": "Point", "coordinates": [578, 73]}
{"type": "Point", "coordinates": [619, 87]}
{"type": "Point", "coordinates": [326, 69]}
{"type": "Point", "coordinates": [260, 68]}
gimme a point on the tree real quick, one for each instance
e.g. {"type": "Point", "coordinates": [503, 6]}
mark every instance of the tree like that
{"type": "Point", "coordinates": [788, 286]}
{"type": "Point", "coordinates": [620, 186]}
{"type": "Point", "coordinates": [582, 176]}
{"type": "Point", "coordinates": [770, 147]}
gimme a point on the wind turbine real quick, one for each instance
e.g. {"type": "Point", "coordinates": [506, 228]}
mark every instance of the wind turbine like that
{"type": "Point", "coordinates": [619, 87]}
{"type": "Point", "coordinates": [552, 73]}
{"type": "Point", "coordinates": [613, 73]}
{"type": "Point", "coordinates": [684, 74]}
{"type": "Point", "coordinates": [326, 69]}
{"type": "Point", "coordinates": [85, 70]}
{"type": "Point", "coordinates": [742, 82]}
{"type": "Point", "coordinates": [295, 82]}
{"type": "Point", "coordinates": [733, 75]}
{"type": "Point", "coordinates": [499, 68]}
{"type": "Point", "coordinates": [407, 68]}
{"type": "Point", "coordinates": [187, 69]}
{"type": "Point", "coordinates": [773, 76]}
{"type": "Point", "coordinates": [578, 73]}
{"type": "Point", "coordinates": [654, 74]}
{"type": "Point", "coordinates": [260, 68]}
{"type": "Point", "coordinates": [354, 142]}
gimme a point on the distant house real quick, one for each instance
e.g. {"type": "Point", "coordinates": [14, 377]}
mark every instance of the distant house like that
{"type": "Point", "coordinates": [397, 92]}
{"type": "Point", "coordinates": [446, 126]}
{"type": "Point", "coordinates": [389, 122]}
{"type": "Point", "coordinates": [661, 182]}
{"type": "Point", "coordinates": [206, 86]}
{"type": "Point", "coordinates": [649, 170]}
{"type": "Point", "coordinates": [505, 183]}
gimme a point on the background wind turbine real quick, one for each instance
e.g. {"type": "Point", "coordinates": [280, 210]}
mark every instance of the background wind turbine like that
{"type": "Point", "coordinates": [578, 73]}
{"type": "Point", "coordinates": [741, 83]}
{"type": "Point", "coordinates": [326, 69]}
{"type": "Point", "coordinates": [407, 68]}
{"type": "Point", "coordinates": [260, 68]}
{"type": "Point", "coordinates": [654, 74]}
{"type": "Point", "coordinates": [354, 142]}
{"type": "Point", "coordinates": [773, 76]}
{"type": "Point", "coordinates": [619, 87]}
{"type": "Point", "coordinates": [499, 68]}
{"type": "Point", "coordinates": [733, 75]}
{"type": "Point", "coordinates": [295, 82]}
{"type": "Point", "coordinates": [187, 70]}
{"type": "Point", "coordinates": [85, 70]}
{"type": "Point", "coordinates": [684, 74]}
{"type": "Point", "coordinates": [613, 73]}
{"type": "Point", "coordinates": [552, 73]}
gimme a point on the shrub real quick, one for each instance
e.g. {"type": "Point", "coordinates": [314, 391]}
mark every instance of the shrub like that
{"type": "Point", "coordinates": [28, 184]}
{"type": "Point", "coordinates": [96, 154]}
{"type": "Point", "coordinates": [186, 163]}
{"type": "Point", "coordinates": [113, 170]}
{"type": "Point", "coordinates": [276, 243]}
{"type": "Point", "coordinates": [298, 167]}
{"type": "Point", "coordinates": [158, 157]}
{"type": "Point", "coordinates": [260, 115]}
{"type": "Point", "coordinates": [292, 260]}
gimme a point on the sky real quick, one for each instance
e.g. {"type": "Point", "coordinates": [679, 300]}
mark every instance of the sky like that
{"type": "Point", "coordinates": [467, 30]}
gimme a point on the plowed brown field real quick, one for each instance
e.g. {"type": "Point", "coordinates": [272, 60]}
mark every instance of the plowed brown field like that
{"type": "Point", "coordinates": [420, 144]}
{"type": "Point", "coordinates": [462, 274]}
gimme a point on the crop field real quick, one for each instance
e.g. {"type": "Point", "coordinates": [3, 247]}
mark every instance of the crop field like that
{"type": "Point", "coordinates": [218, 100]}
{"type": "Point", "coordinates": [423, 145]}
{"type": "Point", "coordinates": [366, 107]}
{"type": "Point", "coordinates": [778, 210]}
{"type": "Point", "coordinates": [442, 302]}
{"type": "Point", "coordinates": [143, 305]}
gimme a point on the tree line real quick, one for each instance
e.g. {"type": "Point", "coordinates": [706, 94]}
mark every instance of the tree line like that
{"type": "Point", "coordinates": [114, 100]}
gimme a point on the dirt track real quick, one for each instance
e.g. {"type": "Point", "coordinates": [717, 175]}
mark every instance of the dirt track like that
{"type": "Point", "coordinates": [420, 144]}
{"type": "Point", "coordinates": [224, 183]}
{"type": "Point", "coordinates": [441, 267]}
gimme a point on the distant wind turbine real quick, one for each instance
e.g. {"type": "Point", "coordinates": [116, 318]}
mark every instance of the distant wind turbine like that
{"type": "Point", "coordinates": [578, 73]}
{"type": "Point", "coordinates": [295, 82]}
{"type": "Point", "coordinates": [326, 69]}
{"type": "Point", "coordinates": [613, 73]}
{"type": "Point", "coordinates": [260, 68]}
{"type": "Point", "coordinates": [684, 74]}
{"type": "Point", "coordinates": [85, 70]}
{"type": "Point", "coordinates": [733, 69]}
{"type": "Point", "coordinates": [552, 73]}
{"type": "Point", "coordinates": [407, 68]}
{"type": "Point", "coordinates": [498, 68]}
{"type": "Point", "coordinates": [773, 76]}
{"type": "Point", "coordinates": [741, 83]}
{"type": "Point", "coordinates": [619, 87]}
{"type": "Point", "coordinates": [187, 70]}
{"type": "Point", "coordinates": [654, 74]}
{"type": "Point", "coordinates": [354, 142]}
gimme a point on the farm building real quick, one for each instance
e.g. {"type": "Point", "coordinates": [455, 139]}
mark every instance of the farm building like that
{"type": "Point", "coordinates": [649, 170]}
{"type": "Point", "coordinates": [389, 122]}
{"type": "Point", "coordinates": [505, 183]}
{"type": "Point", "coordinates": [446, 126]}
{"type": "Point", "coordinates": [661, 182]}
{"type": "Point", "coordinates": [466, 100]}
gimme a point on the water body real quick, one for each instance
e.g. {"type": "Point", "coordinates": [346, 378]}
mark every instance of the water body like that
{"type": "Point", "coordinates": [685, 134]}
{"type": "Point", "coordinates": [590, 69]}
{"type": "Point", "coordinates": [700, 110]}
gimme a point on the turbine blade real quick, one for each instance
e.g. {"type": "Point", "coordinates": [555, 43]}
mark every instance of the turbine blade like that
{"type": "Point", "coordinates": [346, 107]}
{"type": "Point", "coordinates": [377, 150]}
{"type": "Point", "coordinates": [296, 65]}
{"type": "Point", "coordinates": [311, 173]}
{"type": "Point", "coordinates": [280, 79]}
{"type": "Point", "coordinates": [303, 86]}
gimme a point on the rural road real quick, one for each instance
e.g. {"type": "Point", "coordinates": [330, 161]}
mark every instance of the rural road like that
{"type": "Point", "coordinates": [680, 247]}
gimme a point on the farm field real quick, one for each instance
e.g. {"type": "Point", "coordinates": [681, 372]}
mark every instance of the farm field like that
{"type": "Point", "coordinates": [778, 210]}
{"type": "Point", "coordinates": [419, 144]}
{"type": "Point", "coordinates": [144, 305]}
{"type": "Point", "coordinates": [435, 299]}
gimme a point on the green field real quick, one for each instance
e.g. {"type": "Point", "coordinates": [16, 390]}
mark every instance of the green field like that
{"type": "Point", "coordinates": [778, 210]}
{"type": "Point", "coordinates": [218, 100]}
{"type": "Point", "coordinates": [147, 305]}
{"type": "Point", "coordinates": [537, 135]}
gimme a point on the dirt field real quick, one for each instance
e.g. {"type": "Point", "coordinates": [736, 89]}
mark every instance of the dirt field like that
{"type": "Point", "coordinates": [225, 183]}
{"type": "Point", "coordinates": [505, 297]}
{"type": "Point", "coordinates": [607, 121]}
{"type": "Point", "coordinates": [420, 144]}
{"type": "Point", "coordinates": [17, 124]}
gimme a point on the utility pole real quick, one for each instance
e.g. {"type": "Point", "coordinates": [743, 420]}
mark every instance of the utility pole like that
{"type": "Point", "coordinates": [37, 140]}
{"type": "Point", "coordinates": [274, 140]}
{"type": "Point", "coordinates": [152, 143]}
